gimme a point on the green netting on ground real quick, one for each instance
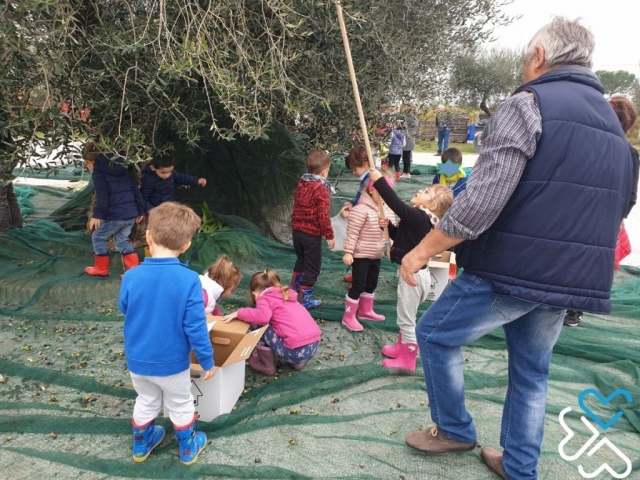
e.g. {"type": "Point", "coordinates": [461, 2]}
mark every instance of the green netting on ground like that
{"type": "Point", "coordinates": [66, 400]}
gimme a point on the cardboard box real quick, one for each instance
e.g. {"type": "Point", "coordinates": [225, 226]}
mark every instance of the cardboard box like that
{"type": "Point", "coordinates": [442, 268]}
{"type": "Point", "coordinates": [232, 345]}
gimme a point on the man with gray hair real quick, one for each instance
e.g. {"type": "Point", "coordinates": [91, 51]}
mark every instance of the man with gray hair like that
{"type": "Point", "coordinates": [535, 232]}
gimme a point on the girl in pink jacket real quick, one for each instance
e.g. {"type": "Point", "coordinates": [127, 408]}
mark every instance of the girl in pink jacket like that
{"type": "Point", "coordinates": [292, 332]}
{"type": "Point", "coordinates": [363, 249]}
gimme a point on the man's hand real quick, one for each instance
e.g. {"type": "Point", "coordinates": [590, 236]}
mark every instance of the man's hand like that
{"type": "Point", "coordinates": [207, 375]}
{"type": "Point", "coordinates": [375, 175]}
{"type": "Point", "coordinates": [331, 243]}
{"type": "Point", "coordinates": [347, 259]}
{"type": "Point", "coordinates": [94, 223]}
{"type": "Point", "coordinates": [202, 182]}
{"type": "Point", "coordinates": [231, 316]}
{"type": "Point", "coordinates": [411, 263]}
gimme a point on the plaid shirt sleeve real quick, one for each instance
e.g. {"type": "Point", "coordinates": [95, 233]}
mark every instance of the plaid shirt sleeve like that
{"type": "Point", "coordinates": [512, 139]}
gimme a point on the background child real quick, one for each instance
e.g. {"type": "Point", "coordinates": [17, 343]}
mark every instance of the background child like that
{"type": "Point", "coordinates": [160, 180]}
{"type": "Point", "coordinates": [456, 182]}
{"type": "Point", "coordinates": [310, 221]}
{"type": "Point", "coordinates": [219, 281]}
{"type": "Point", "coordinates": [161, 330]}
{"type": "Point", "coordinates": [117, 208]}
{"type": "Point", "coordinates": [397, 144]}
{"type": "Point", "coordinates": [427, 207]}
{"type": "Point", "coordinates": [292, 332]}
{"type": "Point", "coordinates": [363, 247]}
{"type": "Point", "coordinates": [358, 162]}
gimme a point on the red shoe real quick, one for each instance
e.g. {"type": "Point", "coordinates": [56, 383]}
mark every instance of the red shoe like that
{"type": "Point", "coordinates": [129, 261]}
{"type": "Point", "coordinates": [100, 267]}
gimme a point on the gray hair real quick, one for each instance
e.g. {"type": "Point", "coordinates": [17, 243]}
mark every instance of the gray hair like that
{"type": "Point", "coordinates": [565, 42]}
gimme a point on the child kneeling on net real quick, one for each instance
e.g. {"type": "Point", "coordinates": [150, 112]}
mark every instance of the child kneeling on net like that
{"type": "Point", "coordinates": [363, 249]}
{"type": "Point", "coordinates": [161, 330]}
{"type": "Point", "coordinates": [427, 207]}
{"type": "Point", "coordinates": [292, 332]}
{"type": "Point", "coordinates": [219, 281]}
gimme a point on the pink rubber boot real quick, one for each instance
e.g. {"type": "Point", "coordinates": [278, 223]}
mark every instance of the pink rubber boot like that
{"type": "Point", "coordinates": [349, 318]}
{"type": "Point", "coordinates": [365, 309]}
{"type": "Point", "coordinates": [263, 360]}
{"type": "Point", "coordinates": [392, 351]}
{"type": "Point", "coordinates": [405, 362]}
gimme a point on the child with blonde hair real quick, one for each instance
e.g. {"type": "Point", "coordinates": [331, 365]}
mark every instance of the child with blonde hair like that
{"type": "Point", "coordinates": [219, 281]}
{"type": "Point", "coordinates": [161, 332]}
{"type": "Point", "coordinates": [427, 208]}
{"type": "Point", "coordinates": [363, 249]}
{"type": "Point", "coordinates": [292, 332]}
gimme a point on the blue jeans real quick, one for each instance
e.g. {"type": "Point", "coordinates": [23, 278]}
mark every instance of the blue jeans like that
{"type": "Point", "coordinates": [467, 310]}
{"type": "Point", "coordinates": [120, 229]}
{"type": "Point", "coordinates": [443, 140]}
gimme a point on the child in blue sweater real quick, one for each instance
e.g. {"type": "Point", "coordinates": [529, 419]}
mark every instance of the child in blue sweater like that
{"type": "Point", "coordinates": [160, 181]}
{"type": "Point", "coordinates": [161, 330]}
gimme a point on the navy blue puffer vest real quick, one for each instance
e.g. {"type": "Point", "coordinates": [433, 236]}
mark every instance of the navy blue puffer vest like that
{"type": "Point", "coordinates": [554, 241]}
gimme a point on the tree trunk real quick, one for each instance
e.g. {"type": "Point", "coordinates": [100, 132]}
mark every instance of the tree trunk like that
{"type": "Point", "coordinates": [484, 107]}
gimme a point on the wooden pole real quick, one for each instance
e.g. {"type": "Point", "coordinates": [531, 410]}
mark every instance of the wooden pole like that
{"type": "Point", "coordinates": [354, 84]}
{"type": "Point", "coordinates": [356, 96]}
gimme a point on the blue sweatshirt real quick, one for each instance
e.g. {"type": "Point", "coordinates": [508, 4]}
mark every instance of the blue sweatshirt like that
{"type": "Point", "coordinates": [163, 318]}
{"type": "Point", "coordinates": [155, 190]}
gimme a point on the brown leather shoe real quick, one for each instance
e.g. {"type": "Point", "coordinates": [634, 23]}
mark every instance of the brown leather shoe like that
{"type": "Point", "coordinates": [493, 459]}
{"type": "Point", "coordinates": [434, 441]}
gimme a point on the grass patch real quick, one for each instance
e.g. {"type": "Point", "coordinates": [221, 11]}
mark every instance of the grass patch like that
{"type": "Point", "coordinates": [432, 147]}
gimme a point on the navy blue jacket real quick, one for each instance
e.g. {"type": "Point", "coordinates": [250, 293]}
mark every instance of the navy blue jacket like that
{"type": "Point", "coordinates": [155, 190]}
{"type": "Point", "coordinates": [117, 195]}
{"type": "Point", "coordinates": [554, 241]}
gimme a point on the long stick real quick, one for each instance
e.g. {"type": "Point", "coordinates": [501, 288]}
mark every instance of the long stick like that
{"type": "Point", "coordinates": [354, 84]}
{"type": "Point", "coordinates": [356, 96]}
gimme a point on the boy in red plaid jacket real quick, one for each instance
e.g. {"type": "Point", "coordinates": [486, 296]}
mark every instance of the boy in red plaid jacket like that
{"type": "Point", "coordinates": [310, 221]}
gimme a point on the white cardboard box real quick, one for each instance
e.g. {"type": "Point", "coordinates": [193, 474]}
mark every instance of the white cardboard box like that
{"type": "Point", "coordinates": [439, 268]}
{"type": "Point", "coordinates": [232, 345]}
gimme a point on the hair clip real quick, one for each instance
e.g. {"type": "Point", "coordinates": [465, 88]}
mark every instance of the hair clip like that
{"type": "Point", "coordinates": [265, 272]}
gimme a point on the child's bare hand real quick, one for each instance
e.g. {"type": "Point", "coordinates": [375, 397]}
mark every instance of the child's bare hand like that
{"type": "Point", "coordinates": [202, 182]}
{"type": "Point", "coordinates": [139, 218]}
{"type": "Point", "coordinates": [375, 175]}
{"type": "Point", "coordinates": [231, 316]}
{"type": "Point", "coordinates": [332, 244]}
{"type": "Point", "coordinates": [382, 222]}
{"type": "Point", "coordinates": [347, 259]}
{"type": "Point", "coordinates": [207, 375]}
{"type": "Point", "coordinates": [94, 223]}
{"type": "Point", "coordinates": [344, 213]}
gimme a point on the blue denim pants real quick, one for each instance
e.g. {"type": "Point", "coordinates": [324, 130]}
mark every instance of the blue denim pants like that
{"type": "Point", "coordinates": [443, 140]}
{"type": "Point", "coordinates": [467, 310]}
{"type": "Point", "coordinates": [120, 229]}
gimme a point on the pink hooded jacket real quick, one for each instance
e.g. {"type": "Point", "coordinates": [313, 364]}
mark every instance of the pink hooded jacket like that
{"type": "Point", "coordinates": [365, 238]}
{"type": "Point", "coordinates": [288, 318]}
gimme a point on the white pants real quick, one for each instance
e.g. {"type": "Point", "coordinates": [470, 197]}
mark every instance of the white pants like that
{"type": "Point", "coordinates": [409, 299]}
{"type": "Point", "coordinates": [175, 390]}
